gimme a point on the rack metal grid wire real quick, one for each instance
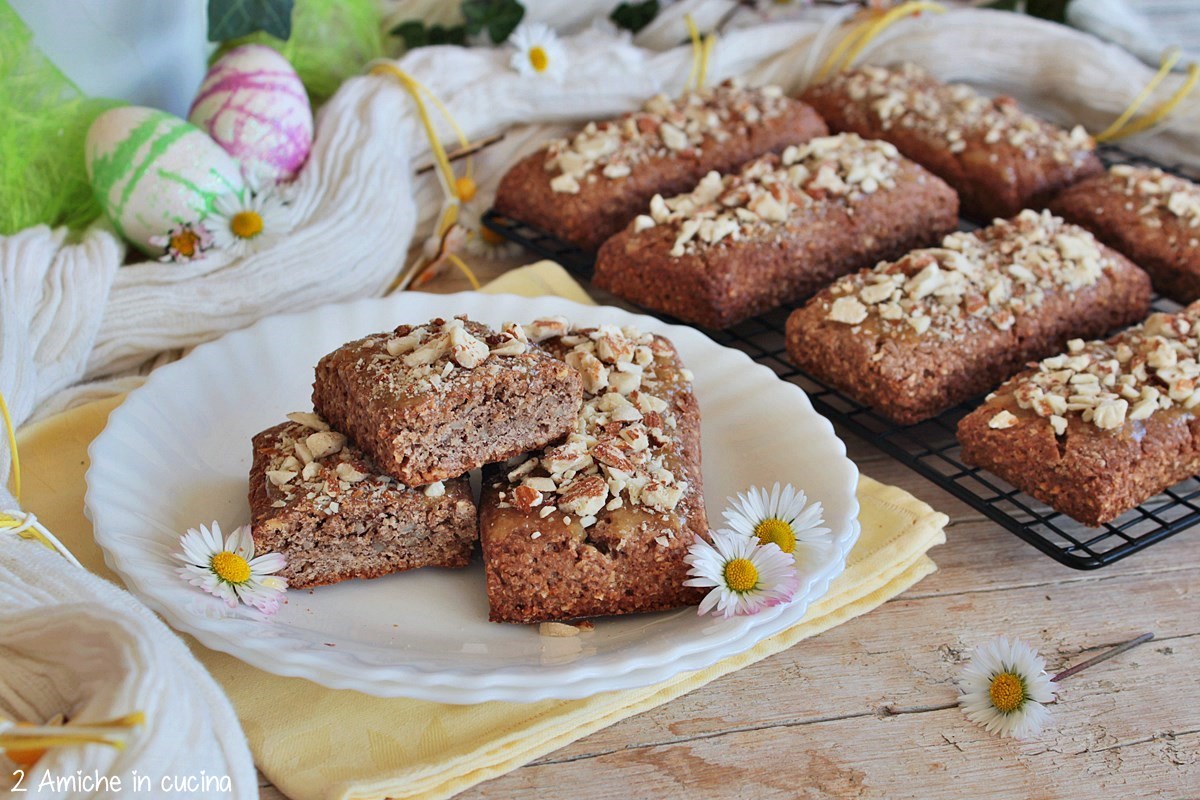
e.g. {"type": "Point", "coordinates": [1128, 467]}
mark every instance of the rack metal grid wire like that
{"type": "Point", "coordinates": [930, 448]}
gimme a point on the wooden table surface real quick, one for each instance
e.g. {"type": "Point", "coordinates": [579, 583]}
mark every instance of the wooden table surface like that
{"type": "Point", "coordinates": [868, 709]}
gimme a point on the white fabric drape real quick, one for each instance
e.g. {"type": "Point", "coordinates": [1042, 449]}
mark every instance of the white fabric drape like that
{"type": "Point", "coordinates": [74, 644]}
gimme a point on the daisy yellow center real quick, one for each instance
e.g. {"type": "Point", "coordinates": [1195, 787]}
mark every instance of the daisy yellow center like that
{"type": "Point", "coordinates": [246, 224]}
{"type": "Point", "coordinates": [186, 242]}
{"type": "Point", "coordinates": [465, 188]}
{"type": "Point", "coordinates": [230, 567]}
{"type": "Point", "coordinates": [741, 575]}
{"type": "Point", "coordinates": [777, 531]}
{"type": "Point", "coordinates": [538, 59]}
{"type": "Point", "coordinates": [1007, 692]}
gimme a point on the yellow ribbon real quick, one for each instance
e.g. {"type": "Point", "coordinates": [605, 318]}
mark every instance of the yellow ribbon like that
{"type": "Point", "coordinates": [419, 91]}
{"type": "Point", "coordinates": [864, 31]}
{"type": "Point", "coordinates": [12, 448]}
{"type": "Point", "coordinates": [29, 741]}
{"type": "Point", "coordinates": [462, 266]}
{"type": "Point", "coordinates": [1121, 127]}
{"type": "Point", "coordinates": [459, 190]}
{"type": "Point", "coordinates": [22, 523]}
{"type": "Point", "coordinates": [702, 48]}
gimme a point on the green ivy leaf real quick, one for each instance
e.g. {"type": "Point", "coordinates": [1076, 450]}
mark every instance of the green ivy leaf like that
{"type": "Point", "coordinates": [1054, 10]}
{"type": "Point", "coordinates": [413, 32]}
{"type": "Point", "coordinates": [634, 16]}
{"type": "Point", "coordinates": [416, 34]}
{"type": "Point", "coordinates": [454, 34]}
{"type": "Point", "coordinates": [229, 19]}
{"type": "Point", "coordinates": [498, 17]}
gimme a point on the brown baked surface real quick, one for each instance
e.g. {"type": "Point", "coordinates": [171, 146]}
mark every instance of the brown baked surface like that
{"type": "Point", "coordinates": [1089, 456]}
{"type": "Point", "coordinates": [918, 336]}
{"type": "Point", "coordinates": [999, 159]}
{"type": "Point", "coordinates": [426, 408]}
{"type": "Point", "coordinates": [617, 166]}
{"type": "Point", "coordinates": [600, 551]}
{"type": "Point", "coordinates": [776, 231]}
{"type": "Point", "coordinates": [1150, 216]}
{"type": "Point", "coordinates": [336, 517]}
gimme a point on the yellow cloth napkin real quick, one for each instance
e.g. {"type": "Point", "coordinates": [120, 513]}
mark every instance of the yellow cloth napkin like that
{"type": "Point", "coordinates": [342, 744]}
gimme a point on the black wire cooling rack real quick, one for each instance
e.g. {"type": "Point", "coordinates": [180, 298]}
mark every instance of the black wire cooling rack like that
{"type": "Point", "coordinates": [930, 448]}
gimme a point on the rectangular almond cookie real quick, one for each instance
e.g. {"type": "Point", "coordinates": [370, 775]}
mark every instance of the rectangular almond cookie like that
{"type": "Point", "coordinates": [599, 523]}
{"type": "Point", "coordinates": [434, 401]}
{"type": "Point", "coordinates": [585, 188]}
{"type": "Point", "coordinates": [776, 231]}
{"type": "Point", "coordinates": [998, 158]}
{"type": "Point", "coordinates": [915, 337]}
{"type": "Point", "coordinates": [324, 505]}
{"type": "Point", "coordinates": [1151, 217]}
{"type": "Point", "coordinates": [1102, 427]}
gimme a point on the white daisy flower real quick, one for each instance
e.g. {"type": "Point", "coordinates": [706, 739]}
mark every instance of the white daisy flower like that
{"type": "Point", "coordinates": [229, 570]}
{"type": "Point", "coordinates": [483, 242]}
{"type": "Point", "coordinates": [1004, 689]}
{"type": "Point", "coordinates": [246, 224]}
{"type": "Point", "coordinates": [780, 517]}
{"type": "Point", "coordinates": [746, 576]}
{"type": "Point", "coordinates": [538, 52]}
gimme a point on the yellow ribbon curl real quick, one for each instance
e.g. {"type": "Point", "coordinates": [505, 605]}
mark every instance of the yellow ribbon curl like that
{"type": "Point", "coordinates": [1122, 128]}
{"type": "Point", "coordinates": [864, 32]}
{"type": "Point", "coordinates": [462, 189]}
{"type": "Point", "coordinates": [702, 49]}
{"type": "Point", "coordinates": [22, 523]}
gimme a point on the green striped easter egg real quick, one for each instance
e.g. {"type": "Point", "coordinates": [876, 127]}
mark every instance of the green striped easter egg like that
{"type": "Point", "coordinates": [152, 171]}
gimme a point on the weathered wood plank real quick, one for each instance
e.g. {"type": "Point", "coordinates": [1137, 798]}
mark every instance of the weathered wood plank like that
{"type": "Point", "coordinates": [866, 715]}
{"type": "Point", "coordinates": [897, 657]}
{"type": "Point", "coordinates": [900, 757]}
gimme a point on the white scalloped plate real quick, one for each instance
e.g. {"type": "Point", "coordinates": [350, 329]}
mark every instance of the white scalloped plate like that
{"type": "Point", "coordinates": [176, 454]}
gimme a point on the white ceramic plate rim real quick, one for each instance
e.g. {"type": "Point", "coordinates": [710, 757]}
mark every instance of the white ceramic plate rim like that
{"type": "Point", "coordinates": [337, 668]}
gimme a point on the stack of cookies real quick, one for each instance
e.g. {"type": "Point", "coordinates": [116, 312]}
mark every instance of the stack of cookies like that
{"type": "Point", "coordinates": [593, 492]}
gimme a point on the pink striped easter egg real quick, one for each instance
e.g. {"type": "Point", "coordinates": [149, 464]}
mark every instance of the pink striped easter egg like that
{"type": "Point", "coordinates": [253, 104]}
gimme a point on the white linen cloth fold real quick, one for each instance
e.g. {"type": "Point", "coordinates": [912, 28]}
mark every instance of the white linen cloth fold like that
{"type": "Point", "coordinates": [73, 643]}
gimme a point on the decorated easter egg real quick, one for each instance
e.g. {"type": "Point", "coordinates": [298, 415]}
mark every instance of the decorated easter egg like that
{"type": "Point", "coordinates": [153, 173]}
{"type": "Point", "coordinates": [253, 104]}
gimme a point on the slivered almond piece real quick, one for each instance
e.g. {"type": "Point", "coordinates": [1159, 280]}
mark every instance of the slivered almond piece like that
{"type": "Point", "coordinates": [324, 443]}
{"type": "Point", "coordinates": [309, 420]}
{"type": "Point", "coordinates": [609, 454]}
{"type": "Point", "coordinates": [526, 498]}
{"type": "Point", "coordinates": [584, 497]}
